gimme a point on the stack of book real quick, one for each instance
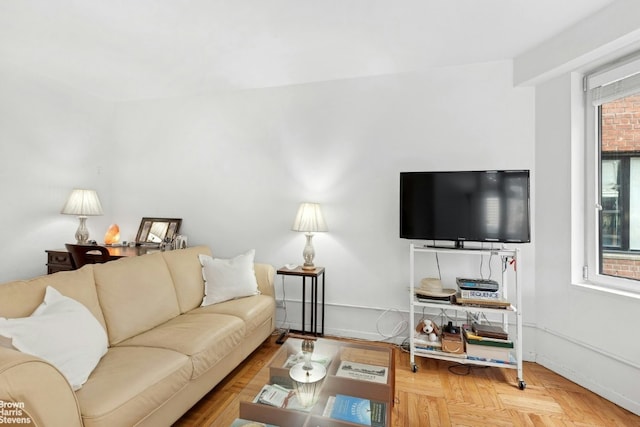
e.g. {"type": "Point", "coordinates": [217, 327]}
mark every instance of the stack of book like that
{"type": "Point", "coordinates": [426, 296]}
{"type": "Point", "coordinates": [483, 293]}
{"type": "Point", "coordinates": [488, 343]}
{"type": "Point", "coordinates": [421, 342]}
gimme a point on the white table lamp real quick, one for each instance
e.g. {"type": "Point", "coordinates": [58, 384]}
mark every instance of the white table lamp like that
{"type": "Point", "coordinates": [82, 203]}
{"type": "Point", "coordinates": [309, 220]}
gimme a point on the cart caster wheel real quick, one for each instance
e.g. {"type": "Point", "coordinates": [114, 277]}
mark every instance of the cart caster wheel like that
{"type": "Point", "coordinates": [522, 385]}
{"type": "Point", "coordinates": [414, 368]}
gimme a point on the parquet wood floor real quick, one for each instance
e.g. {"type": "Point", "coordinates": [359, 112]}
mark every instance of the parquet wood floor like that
{"type": "Point", "coordinates": [434, 396]}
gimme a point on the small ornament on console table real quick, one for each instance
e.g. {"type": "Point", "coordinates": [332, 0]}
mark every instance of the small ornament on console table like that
{"type": "Point", "coordinates": [112, 236]}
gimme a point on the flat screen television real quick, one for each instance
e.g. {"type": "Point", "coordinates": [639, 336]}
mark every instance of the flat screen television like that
{"type": "Point", "coordinates": [465, 206]}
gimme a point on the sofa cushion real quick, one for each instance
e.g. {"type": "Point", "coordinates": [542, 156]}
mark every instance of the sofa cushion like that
{"type": "Point", "coordinates": [21, 298]}
{"type": "Point", "coordinates": [254, 311]}
{"type": "Point", "coordinates": [131, 382]}
{"type": "Point", "coordinates": [205, 338]}
{"type": "Point", "coordinates": [226, 279]}
{"type": "Point", "coordinates": [61, 331]}
{"type": "Point", "coordinates": [186, 271]}
{"type": "Point", "coordinates": [136, 294]}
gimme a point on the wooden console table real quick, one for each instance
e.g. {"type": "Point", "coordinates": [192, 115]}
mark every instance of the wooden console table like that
{"type": "Point", "coordinates": [60, 259]}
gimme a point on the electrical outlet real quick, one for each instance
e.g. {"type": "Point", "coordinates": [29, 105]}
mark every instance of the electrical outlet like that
{"type": "Point", "coordinates": [279, 304]}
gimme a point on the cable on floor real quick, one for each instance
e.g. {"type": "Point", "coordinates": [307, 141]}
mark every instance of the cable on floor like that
{"type": "Point", "coordinates": [397, 330]}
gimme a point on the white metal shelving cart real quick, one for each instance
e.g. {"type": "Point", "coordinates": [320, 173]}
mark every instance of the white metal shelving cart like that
{"type": "Point", "coordinates": [506, 256]}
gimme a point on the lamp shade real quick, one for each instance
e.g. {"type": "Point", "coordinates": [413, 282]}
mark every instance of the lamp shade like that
{"type": "Point", "coordinates": [82, 202]}
{"type": "Point", "coordinates": [309, 218]}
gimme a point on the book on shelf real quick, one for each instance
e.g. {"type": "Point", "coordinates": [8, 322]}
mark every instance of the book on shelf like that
{"type": "Point", "coordinates": [423, 297]}
{"type": "Point", "coordinates": [489, 331]}
{"type": "Point", "coordinates": [422, 340]}
{"type": "Point", "coordinates": [425, 351]}
{"type": "Point", "coordinates": [241, 422]}
{"type": "Point", "coordinates": [296, 358]}
{"type": "Point", "coordinates": [356, 410]}
{"type": "Point", "coordinates": [473, 338]}
{"type": "Point", "coordinates": [280, 397]}
{"type": "Point", "coordinates": [475, 294]}
{"type": "Point", "coordinates": [490, 354]}
{"type": "Point", "coordinates": [477, 284]}
{"type": "Point", "coordinates": [363, 371]}
{"type": "Point", "coordinates": [479, 302]}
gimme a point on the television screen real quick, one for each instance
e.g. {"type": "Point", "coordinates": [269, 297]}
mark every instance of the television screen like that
{"type": "Point", "coordinates": [477, 206]}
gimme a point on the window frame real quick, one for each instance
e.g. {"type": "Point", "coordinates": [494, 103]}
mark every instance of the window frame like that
{"type": "Point", "coordinates": [626, 159]}
{"type": "Point", "coordinates": [592, 159]}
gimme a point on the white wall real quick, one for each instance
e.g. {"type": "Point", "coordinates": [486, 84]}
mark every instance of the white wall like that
{"type": "Point", "coordinates": [582, 334]}
{"type": "Point", "coordinates": [235, 166]}
{"type": "Point", "coordinates": [52, 139]}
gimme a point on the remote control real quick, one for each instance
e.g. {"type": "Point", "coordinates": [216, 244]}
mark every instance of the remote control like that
{"type": "Point", "coordinates": [281, 338]}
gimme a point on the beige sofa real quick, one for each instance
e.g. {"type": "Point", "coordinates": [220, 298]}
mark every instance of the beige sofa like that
{"type": "Point", "coordinates": [165, 351]}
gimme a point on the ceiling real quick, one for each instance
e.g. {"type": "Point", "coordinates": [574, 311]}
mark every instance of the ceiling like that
{"type": "Point", "coordinates": [138, 49]}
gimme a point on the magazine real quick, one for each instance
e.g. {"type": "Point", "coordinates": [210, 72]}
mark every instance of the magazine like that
{"type": "Point", "coordinates": [356, 410]}
{"type": "Point", "coordinates": [274, 395]}
{"type": "Point", "coordinates": [362, 371]}
{"type": "Point", "coordinates": [280, 397]}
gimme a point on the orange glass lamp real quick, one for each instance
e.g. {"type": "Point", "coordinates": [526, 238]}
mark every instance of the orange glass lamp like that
{"type": "Point", "coordinates": [112, 236]}
{"type": "Point", "coordinates": [82, 203]}
{"type": "Point", "coordinates": [309, 220]}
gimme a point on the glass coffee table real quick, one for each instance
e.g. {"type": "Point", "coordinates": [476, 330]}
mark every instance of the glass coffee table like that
{"type": "Point", "coordinates": [357, 387]}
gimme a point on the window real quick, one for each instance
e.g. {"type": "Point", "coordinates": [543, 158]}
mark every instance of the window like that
{"type": "Point", "coordinates": [613, 177]}
{"type": "Point", "coordinates": [620, 196]}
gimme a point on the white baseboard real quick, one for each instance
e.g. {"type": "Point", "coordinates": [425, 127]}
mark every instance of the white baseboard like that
{"type": "Point", "coordinates": [595, 369]}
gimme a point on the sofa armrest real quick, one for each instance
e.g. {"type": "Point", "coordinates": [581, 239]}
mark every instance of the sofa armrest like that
{"type": "Point", "coordinates": [32, 388]}
{"type": "Point", "coordinates": [265, 274]}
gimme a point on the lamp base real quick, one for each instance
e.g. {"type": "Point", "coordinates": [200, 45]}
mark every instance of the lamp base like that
{"type": "Point", "coordinates": [82, 233]}
{"type": "Point", "coordinates": [308, 253]}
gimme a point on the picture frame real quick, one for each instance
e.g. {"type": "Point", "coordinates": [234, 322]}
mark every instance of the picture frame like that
{"type": "Point", "coordinates": [153, 231]}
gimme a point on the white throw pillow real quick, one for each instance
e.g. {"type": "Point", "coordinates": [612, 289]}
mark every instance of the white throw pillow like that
{"type": "Point", "coordinates": [226, 279]}
{"type": "Point", "coordinates": [61, 331]}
